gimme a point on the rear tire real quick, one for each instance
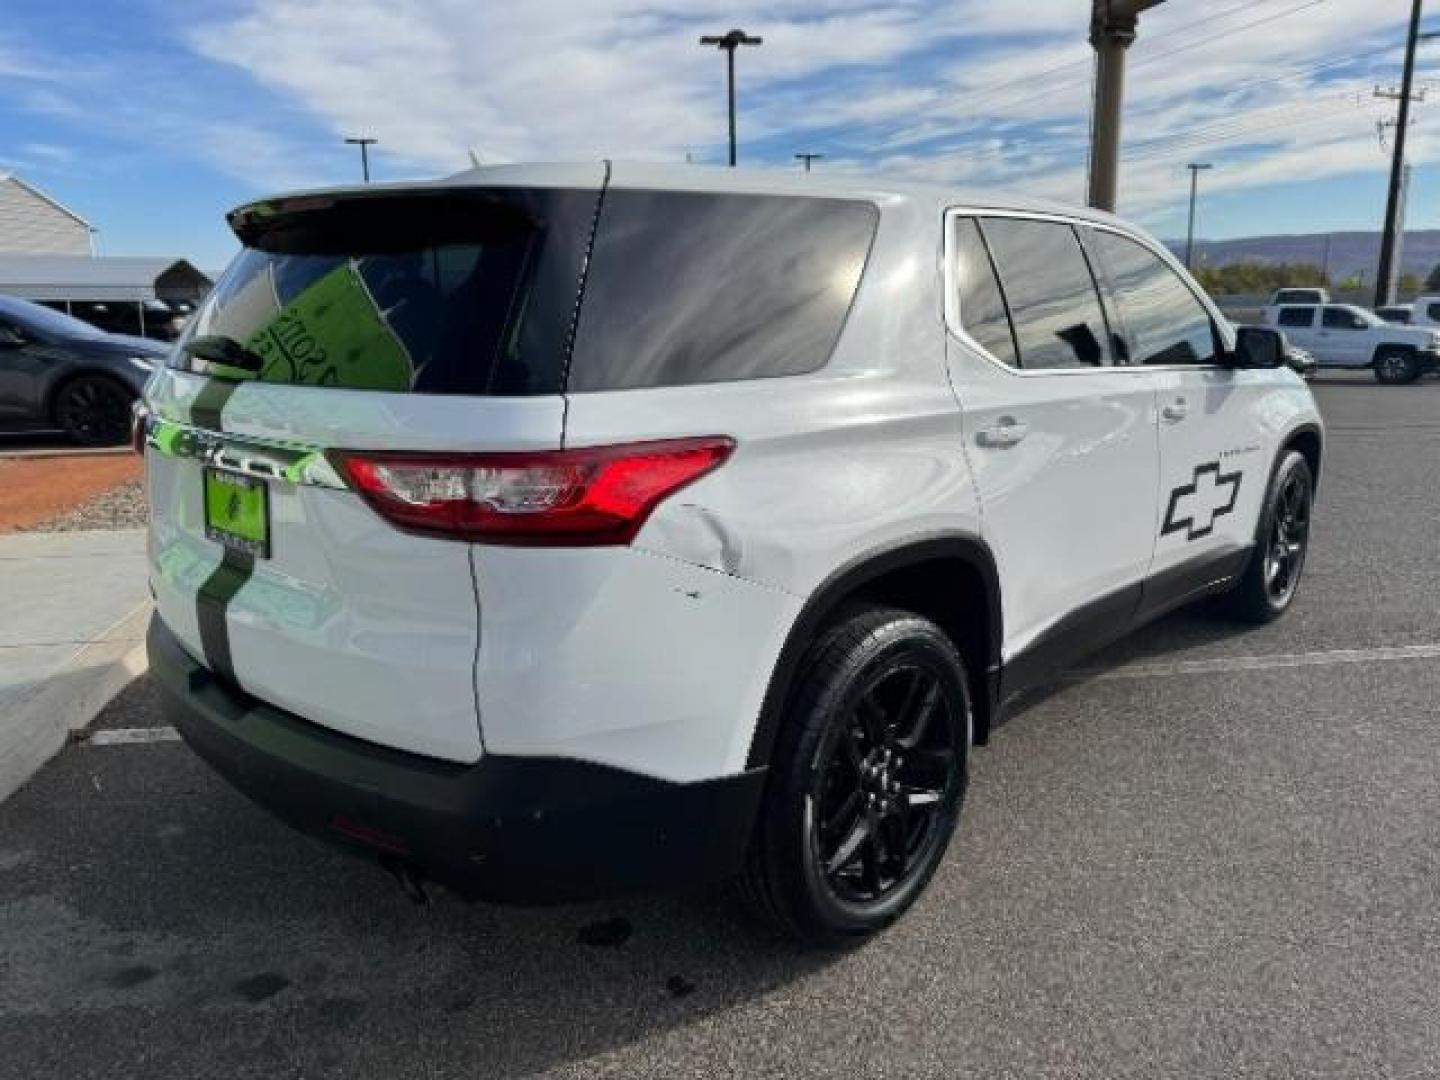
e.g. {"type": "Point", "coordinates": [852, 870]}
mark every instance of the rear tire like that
{"type": "Point", "coordinates": [1282, 541]}
{"type": "Point", "coordinates": [1396, 367]}
{"type": "Point", "coordinates": [867, 779]}
{"type": "Point", "coordinates": [94, 410]}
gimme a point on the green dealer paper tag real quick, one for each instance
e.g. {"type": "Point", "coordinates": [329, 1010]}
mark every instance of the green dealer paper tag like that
{"type": "Point", "coordinates": [330, 335]}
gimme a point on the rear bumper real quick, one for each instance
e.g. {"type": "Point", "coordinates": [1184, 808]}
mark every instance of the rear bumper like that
{"type": "Point", "coordinates": [517, 829]}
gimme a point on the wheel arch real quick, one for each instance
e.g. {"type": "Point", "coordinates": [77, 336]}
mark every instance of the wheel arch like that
{"type": "Point", "coordinates": [1310, 441]}
{"type": "Point", "coordinates": [943, 578]}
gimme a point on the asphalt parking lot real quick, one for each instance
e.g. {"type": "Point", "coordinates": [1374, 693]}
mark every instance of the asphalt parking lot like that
{"type": "Point", "coordinates": [1211, 853]}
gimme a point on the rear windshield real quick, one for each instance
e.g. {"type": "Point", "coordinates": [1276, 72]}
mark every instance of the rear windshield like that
{"type": "Point", "coordinates": [688, 288]}
{"type": "Point", "coordinates": [453, 293]}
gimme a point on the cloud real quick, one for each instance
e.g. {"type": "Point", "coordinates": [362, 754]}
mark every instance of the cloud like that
{"type": "Point", "coordinates": [962, 92]}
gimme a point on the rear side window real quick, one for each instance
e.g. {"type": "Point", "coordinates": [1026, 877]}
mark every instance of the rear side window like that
{"type": "Point", "coordinates": [461, 292]}
{"type": "Point", "coordinates": [687, 288]}
{"type": "Point", "coordinates": [1432, 312]}
{"type": "Point", "coordinates": [1297, 316]}
{"type": "Point", "coordinates": [1052, 295]}
{"type": "Point", "coordinates": [1164, 321]}
{"type": "Point", "coordinates": [982, 308]}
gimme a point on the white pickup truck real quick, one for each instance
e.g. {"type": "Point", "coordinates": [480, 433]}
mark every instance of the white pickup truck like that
{"type": "Point", "coordinates": [1345, 336]}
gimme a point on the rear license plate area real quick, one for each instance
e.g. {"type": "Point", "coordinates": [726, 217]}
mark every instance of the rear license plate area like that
{"type": "Point", "coordinates": [237, 512]}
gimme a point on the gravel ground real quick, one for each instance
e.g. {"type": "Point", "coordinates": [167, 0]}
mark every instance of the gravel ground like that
{"type": "Point", "coordinates": [121, 507]}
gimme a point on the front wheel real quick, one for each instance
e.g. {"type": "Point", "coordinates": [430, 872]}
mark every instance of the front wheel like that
{"type": "Point", "coordinates": [1395, 367]}
{"type": "Point", "coordinates": [1282, 541]}
{"type": "Point", "coordinates": [867, 779]}
{"type": "Point", "coordinates": [94, 410]}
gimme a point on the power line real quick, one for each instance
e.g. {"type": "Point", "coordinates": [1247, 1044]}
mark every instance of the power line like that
{"type": "Point", "coordinates": [1235, 123]}
{"type": "Point", "coordinates": [1029, 80]}
{"type": "Point", "coordinates": [1152, 57]}
{"type": "Point", "coordinates": [1238, 134]}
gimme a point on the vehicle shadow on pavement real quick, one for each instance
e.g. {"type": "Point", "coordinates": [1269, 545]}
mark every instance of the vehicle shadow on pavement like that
{"type": "Point", "coordinates": [140, 891]}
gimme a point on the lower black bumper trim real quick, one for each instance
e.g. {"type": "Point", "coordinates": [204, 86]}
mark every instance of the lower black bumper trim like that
{"type": "Point", "coordinates": [513, 829]}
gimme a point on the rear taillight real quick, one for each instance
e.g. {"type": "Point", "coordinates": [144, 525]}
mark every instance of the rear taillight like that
{"type": "Point", "coordinates": [572, 498]}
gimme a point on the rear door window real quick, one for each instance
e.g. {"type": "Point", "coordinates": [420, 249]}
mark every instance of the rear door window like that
{"type": "Point", "coordinates": [687, 288]}
{"type": "Point", "coordinates": [1165, 323]}
{"type": "Point", "coordinates": [1297, 317]}
{"type": "Point", "coordinates": [982, 307]}
{"type": "Point", "coordinates": [460, 292]}
{"type": "Point", "coordinates": [1053, 300]}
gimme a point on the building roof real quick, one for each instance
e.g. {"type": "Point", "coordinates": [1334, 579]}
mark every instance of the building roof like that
{"type": "Point", "coordinates": [99, 277]}
{"type": "Point", "coordinates": [33, 190]}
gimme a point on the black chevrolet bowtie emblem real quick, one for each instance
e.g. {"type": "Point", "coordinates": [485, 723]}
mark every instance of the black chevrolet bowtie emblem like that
{"type": "Point", "coordinates": [1209, 495]}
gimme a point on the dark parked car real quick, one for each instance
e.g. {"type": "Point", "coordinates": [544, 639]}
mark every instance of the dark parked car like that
{"type": "Point", "coordinates": [59, 372]}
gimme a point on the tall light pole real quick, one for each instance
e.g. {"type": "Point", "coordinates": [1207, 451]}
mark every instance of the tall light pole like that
{"type": "Point", "coordinates": [808, 158]}
{"type": "Point", "coordinates": [1196, 168]}
{"type": "Point", "coordinates": [1113, 26]}
{"type": "Point", "coordinates": [728, 43]}
{"type": "Point", "coordinates": [364, 145]}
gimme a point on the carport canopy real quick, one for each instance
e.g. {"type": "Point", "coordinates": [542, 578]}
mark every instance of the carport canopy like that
{"type": "Point", "coordinates": [100, 278]}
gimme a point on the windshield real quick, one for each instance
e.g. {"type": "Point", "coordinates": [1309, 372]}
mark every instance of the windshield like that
{"type": "Point", "coordinates": [47, 322]}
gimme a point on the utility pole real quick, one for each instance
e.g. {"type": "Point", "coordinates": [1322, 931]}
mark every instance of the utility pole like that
{"type": "Point", "coordinates": [1113, 26]}
{"type": "Point", "coordinates": [728, 43]}
{"type": "Point", "coordinates": [1386, 273]}
{"type": "Point", "coordinates": [364, 145]}
{"type": "Point", "coordinates": [1325, 261]}
{"type": "Point", "coordinates": [808, 158]}
{"type": "Point", "coordinates": [1195, 170]}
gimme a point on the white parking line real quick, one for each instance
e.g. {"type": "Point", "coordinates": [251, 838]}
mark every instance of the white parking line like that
{"type": "Point", "coordinates": [1382, 654]}
{"type": "Point", "coordinates": [129, 736]}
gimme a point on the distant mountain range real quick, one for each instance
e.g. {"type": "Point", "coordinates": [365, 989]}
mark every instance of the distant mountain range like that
{"type": "Point", "coordinates": [1350, 252]}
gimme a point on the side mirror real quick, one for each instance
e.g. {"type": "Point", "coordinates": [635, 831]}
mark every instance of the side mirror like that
{"type": "Point", "coordinates": [1259, 347]}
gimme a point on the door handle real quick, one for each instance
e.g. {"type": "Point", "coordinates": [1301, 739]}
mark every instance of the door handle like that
{"type": "Point", "coordinates": [1176, 411]}
{"type": "Point", "coordinates": [1007, 432]}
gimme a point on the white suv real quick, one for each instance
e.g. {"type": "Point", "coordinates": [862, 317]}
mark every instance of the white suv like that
{"type": "Point", "coordinates": [552, 530]}
{"type": "Point", "coordinates": [1346, 336]}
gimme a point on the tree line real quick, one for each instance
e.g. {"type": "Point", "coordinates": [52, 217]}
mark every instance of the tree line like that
{"type": "Point", "coordinates": [1247, 278]}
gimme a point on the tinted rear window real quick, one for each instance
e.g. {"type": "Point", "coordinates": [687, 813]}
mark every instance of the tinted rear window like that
{"type": "Point", "coordinates": [453, 293]}
{"type": "Point", "coordinates": [698, 288]}
{"type": "Point", "coordinates": [1296, 316]}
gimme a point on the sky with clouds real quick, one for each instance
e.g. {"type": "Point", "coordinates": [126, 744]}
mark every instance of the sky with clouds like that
{"type": "Point", "coordinates": [151, 118]}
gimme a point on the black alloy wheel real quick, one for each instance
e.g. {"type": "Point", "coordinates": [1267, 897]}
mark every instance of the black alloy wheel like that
{"type": "Point", "coordinates": [1282, 540]}
{"type": "Point", "coordinates": [1289, 537]}
{"type": "Point", "coordinates": [867, 778]}
{"type": "Point", "coordinates": [881, 781]}
{"type": "Point", "coordinates": [94, 410]}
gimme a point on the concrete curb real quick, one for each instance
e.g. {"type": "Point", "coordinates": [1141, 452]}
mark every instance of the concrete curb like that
{"type": "Point", "coordinates": [39, 724]}
{"type": "Point", "coordinates": [64, 452]}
